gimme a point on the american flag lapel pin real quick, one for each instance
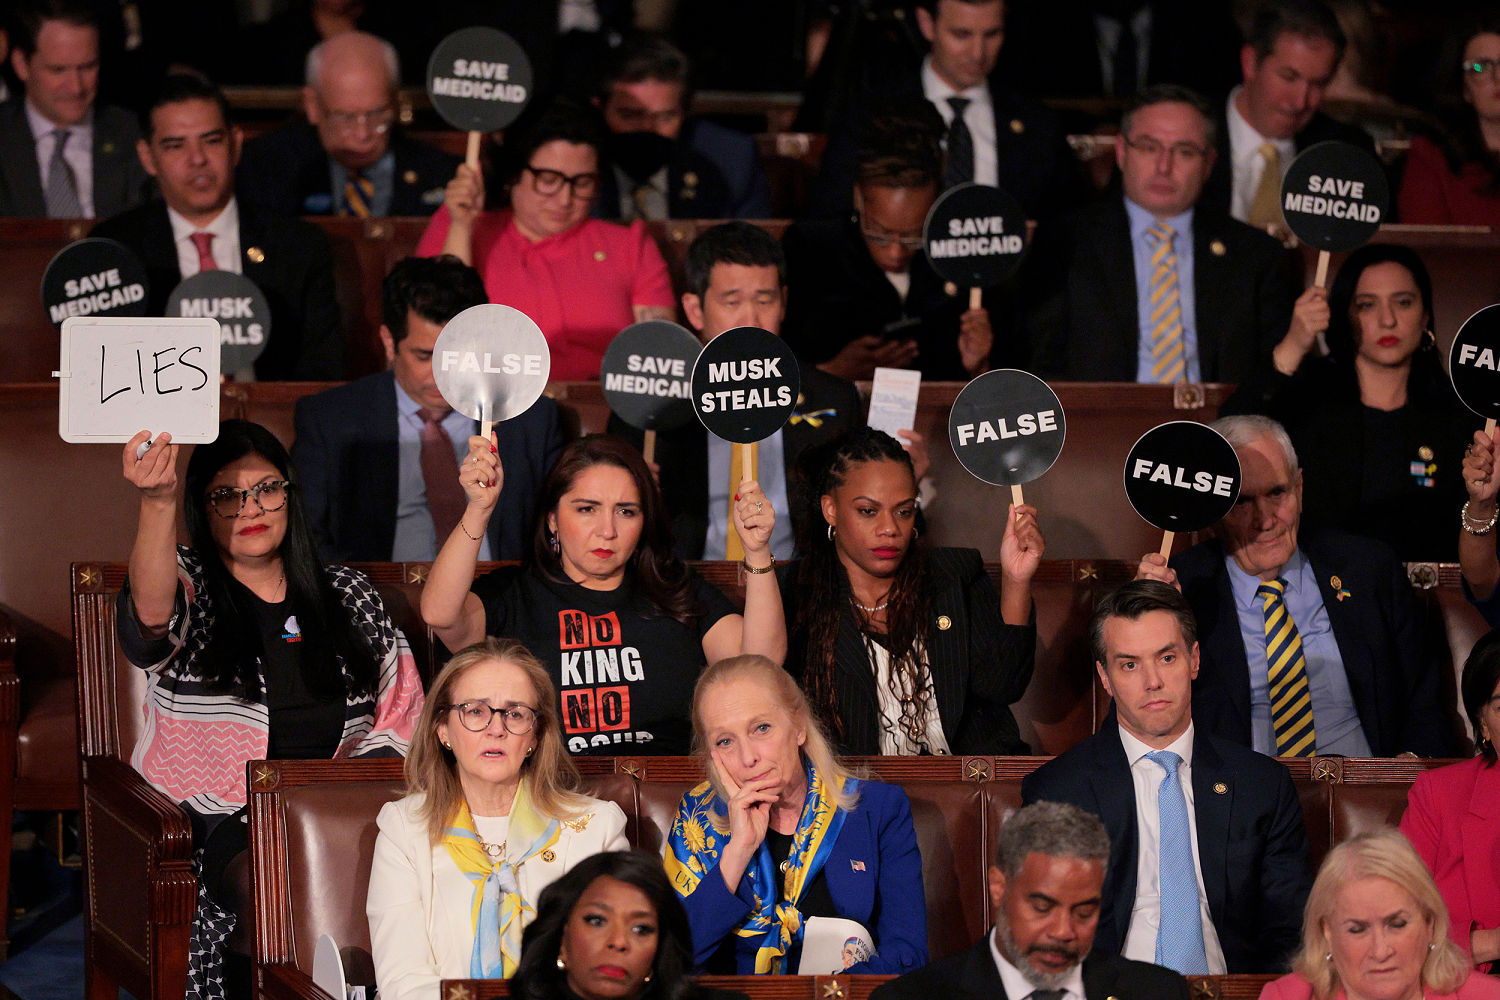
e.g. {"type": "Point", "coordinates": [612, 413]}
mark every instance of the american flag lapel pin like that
{"type": "Point", "coordinates": [858, 866]}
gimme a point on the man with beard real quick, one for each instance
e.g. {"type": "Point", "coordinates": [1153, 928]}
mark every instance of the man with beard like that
{"type": "Point", "coordinates": [1046, 891]}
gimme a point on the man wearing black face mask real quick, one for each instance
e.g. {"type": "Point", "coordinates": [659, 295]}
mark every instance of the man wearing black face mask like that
{"type": "Point", "coordinates": [660, 163]}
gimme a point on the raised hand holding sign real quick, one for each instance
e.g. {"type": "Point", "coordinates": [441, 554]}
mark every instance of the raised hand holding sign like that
{"type": "Point", "coordinates": [491, 363]}
{"type": "Point", "coordinates": [975, 235]}
{"type": "Point", "coordinates": [479, 81]}
{"type": "Point", "coordinates": [1181, 476]}
{"type": "Point", "coordinates": [1007, 429]}
{"type": "Point", "coordinates": [1474, 365]}
{"type": "Point", "coordinates": [647, 377]}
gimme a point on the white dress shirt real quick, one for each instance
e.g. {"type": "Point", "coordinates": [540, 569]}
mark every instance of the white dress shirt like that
{"type": "Point", "coordinates": [979, 115]}
{"type": "Point", "coordinates": [79, 153]}
{"type": "Point", "coordinates": [1018, 987]}
{"type": "Point", "coordinates": [1145, 916]}
{"type": "Point", "coordinates": [1248, 164]}
{"type": "Point", "coordinates": [225, 247]}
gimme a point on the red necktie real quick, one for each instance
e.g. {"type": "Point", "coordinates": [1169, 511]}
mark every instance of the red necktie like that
{"type": "Point", "coordinates": [445, 497]}
{"type": "Point", "coordinates": [203, 241]}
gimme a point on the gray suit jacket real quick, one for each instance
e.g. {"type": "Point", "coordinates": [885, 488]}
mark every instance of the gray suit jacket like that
{"type": "Point", "coordinates": [120, 182]}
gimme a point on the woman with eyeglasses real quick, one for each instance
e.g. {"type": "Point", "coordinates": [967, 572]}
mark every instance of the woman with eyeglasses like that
{"type": "Point", "coordinates": [1453, 177]}
{"type": "Point", "coordinates": [492, 816]}
{"type": "Point", "coordinates": [253, 649]}
{"type": "Point", "coordinates": [582, 280]}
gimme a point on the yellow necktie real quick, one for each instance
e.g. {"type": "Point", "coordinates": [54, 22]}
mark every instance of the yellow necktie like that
{"type": "Point", "coordinates": [1265, 207]}
{"type": "Point", "coordinates": [733, 550]}
{"type": "Point", "coordinates": [359, 195]}
{"type": "Point", "coordinates": [1291, 697]}
{"type": "Point", "coordinates": [1168, 360]}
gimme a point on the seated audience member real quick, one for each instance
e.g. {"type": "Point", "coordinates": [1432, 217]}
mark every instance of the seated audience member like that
{"type": "Point", "coordinates": [1158, 285]}
{"type": "Point", "coordinates": [736, 276]}
{"type": "Point", "coordinates": [582, 280]}
{"type": "Point", "coordinates": [866, 296]}
{"type": "Point", "coordinates": [1286, 613]}
{"type": "Point", "coordinates": [62, 154]}
{"type": "Point", "coordinates": [610, 929]}
{"type": "Point", "coordinates": [864, 637]}
{"type": "Point", "coordinates": [781, 834]}
{"type": "Point", "coordinates": [1046, 893]}
{"type": "Point", "coordinates": [348, 158]}
{"type": "Point", "coordinates": [378, 457]}
{"type": "Point", "coordinates": [253, 649]}
{"type": "Point", "coordinates": [1208, 863]}
{"type": "Point", "coordinates": [199, 225]}
{"type": "Point", "coordinates": [1450, 814]}
{"type": "Point", "coordinates": [993, 134]}
{"type": "Point", "coordinates": [623, 626]}
{"type": "Point", "coordinates": [1289, 57]}
{"type": "Point", "coordinates": [658, 163]}
{"type": "Point", "coordinates": [1453, 178]}
{"type": "Point", "coordinates": [1377, 417]}
{"type": "Point", "coordinates": [491, 817]}
{"type": "Point", "coordinates": [1478, 560]}
{"type": "Point", "coordinates": [1376, 928]}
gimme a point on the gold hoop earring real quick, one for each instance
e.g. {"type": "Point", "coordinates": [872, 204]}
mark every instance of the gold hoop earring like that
{"type": "Point", "coordinates": [1431, 339]}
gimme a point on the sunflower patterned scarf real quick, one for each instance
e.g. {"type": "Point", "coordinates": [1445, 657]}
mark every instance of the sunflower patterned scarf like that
{"type": "Point", "coordinates": [693, 849]}
{"type": "Point", "coordinates": [498, 912]}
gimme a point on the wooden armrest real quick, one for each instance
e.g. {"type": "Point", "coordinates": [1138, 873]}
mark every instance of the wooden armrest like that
{"type": "Point", "coordinates": [118, 788]}
{"type": "Point", "coordinates": [10, 682]}
{"type": "Point", "coordinates": [287, 982]}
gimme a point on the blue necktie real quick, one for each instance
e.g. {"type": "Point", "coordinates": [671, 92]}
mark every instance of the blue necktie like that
{"type": "Point", "coordinates": [1179, 935]}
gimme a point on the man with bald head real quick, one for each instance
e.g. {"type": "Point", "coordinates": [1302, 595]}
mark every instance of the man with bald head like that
{"type": "Point", "coordinates": [347, 158]}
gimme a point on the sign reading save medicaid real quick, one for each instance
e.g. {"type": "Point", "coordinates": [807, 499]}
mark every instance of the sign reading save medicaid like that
{"type": "Point", "coordinates": [1182, 476]}
{"type": "Point", "coordinates": [975, 235]}
{"type": "Point", "coordinates": [491, 363]}
{"type": "Point", "coordinates": [647, 375]}
{"type": "Point", "coordinates": [1007, 427]}
{"type": "Point", "coordinates": [1335, 196]}
{"type": "Point", "coordinates": [479, 79]}
{"type": "Point", "coordinates": [241, 308]}
{"type": "Point", "coordinates": [1474, 363]}
{"type": "Point", "coordinates": [745, 384]}
{"type": "Point", "coordinates": [94, 277]}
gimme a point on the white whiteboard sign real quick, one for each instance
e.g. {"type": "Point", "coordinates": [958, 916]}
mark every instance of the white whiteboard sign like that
{"type": "Point", "coordinates": [122, 375]}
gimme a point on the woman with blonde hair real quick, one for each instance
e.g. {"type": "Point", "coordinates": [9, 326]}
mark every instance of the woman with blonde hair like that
{"type": "Point", "coordinates": [1375, 928]}
{"type": "Point", "coordinates": [492, 816]}
{"type": "Point", "coordinates": [782, 833]}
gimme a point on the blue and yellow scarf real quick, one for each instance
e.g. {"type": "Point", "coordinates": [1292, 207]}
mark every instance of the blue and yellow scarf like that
{"type": "Point", "coordinates": [693, 849]}
{"type": "Point", "coordinates": [498, 912]}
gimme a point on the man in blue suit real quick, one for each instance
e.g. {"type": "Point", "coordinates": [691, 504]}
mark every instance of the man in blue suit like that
{"type": "Point", "coordinates": [1208, 867]}
{"type": "Point", "coordinates": [359, 449]}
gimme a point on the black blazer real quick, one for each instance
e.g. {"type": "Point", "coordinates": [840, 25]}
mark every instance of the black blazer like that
{"type": "Point", "coordinates": [286, 172]}
{"type": "Point", "coordinates": [348, 466]}
{"type": "Point", "coordinates": [979, 664]}
{"type": "Point", "coordinates": [289, 261]}
{"type": "Point", "coordinates": [1082, 322]}
{"type": "Point", "coordinates": [1377, 627]}
{"type": "Point", "coordinates": [1218, 191]}
{"type": "Point", "coordinates": [682, 455]}
{"type": "Point", "coordinates": [1252, 845]}
{"type": "Point", "coordinates": [120, 182]}
{"type": "Point", "coordinates": [972, 975]}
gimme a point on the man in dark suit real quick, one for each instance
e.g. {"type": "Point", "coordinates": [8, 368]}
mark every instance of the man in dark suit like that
{"type": "Point", "coordinates": [363, 451]}
{"type": "Point", "coordinates": [1288, 59]}
{"type": "Point", "coordinates": [191, 150]}
{"type": "Point", "coordinates": [63, 156]}
{"type": "Point", "coordinates": [348, 157]}
{"type": "Point", "coordinates": [660, 164]}
{"type": "Point", "coordinates": [1354, 642]}
{"type": "Point", "coordinates": [736, 276]}
{"type": "Point", "coordinates": [1208, 867]}
{"type": "Point", "coordinates": [1154, 286]}
{"type": "Point", "coordinates": [1046, 891]}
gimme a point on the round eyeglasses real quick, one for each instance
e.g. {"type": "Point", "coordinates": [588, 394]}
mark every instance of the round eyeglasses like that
{"type": "Point", "coordinates": [228, 501]}
{"type": "Point", "coordinates": [475, 716]}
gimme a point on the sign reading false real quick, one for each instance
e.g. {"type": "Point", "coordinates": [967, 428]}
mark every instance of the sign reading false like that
{"type": "Point", "coordinates": [241, 308]}
{"type": "Point", "coordinates": [745, 384]}
{"type": "Point", "coordinates": [479, 80]}
{"type": "Point", "coordinates": [1181, 476]}
{"type": "Point", "coordinates": [119, 374]}
{"type": "Point", "coordinates": [94, 277]}
{"type": "Point", "coordinates": [491, 363]}
{"type": "Point", "coordinates": [975, 235]}
{"type": "Point", "coordinates": [647, 374]}
{"type": "Point", "coordinates": [1007, 428]}
{"type": "Point", "coordinates": [1474, 365]}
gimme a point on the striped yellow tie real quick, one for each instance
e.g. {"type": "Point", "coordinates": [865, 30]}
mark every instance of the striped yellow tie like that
{"type": "Point", "coordinates": [1291, 698]}
{"type": "Point", "coordinates": [359, 195]}
{"type": "Point", "coordinates": [1168, 360]}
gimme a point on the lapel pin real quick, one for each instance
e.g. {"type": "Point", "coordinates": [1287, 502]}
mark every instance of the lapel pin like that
{"type": "Point", "coordinates": [944, 623]}
{"type": "Point", "coordinates": [949, 288]}
{"type": "Point", "coordinates": [599, 255]}
{"type": "Point", "coordinates": [690, 179]}
{"type": "Point", "coordinates": [858, 866]}
{"type": "Point", "coordinates": [549, 855]}
{"type": "Point", "coordinates": [1017, 126]}
{"type": "Point", "coordinates": [256, 255]}
{"type": "Point", "coordinates": [410, 177]}
{"type": "Point", "coordinates": [1217, 248]}
{"type": "Point", "coordinates": [108, 148]}
{"type": "Point", "coordinates": [1338, 586]}
{"type": "Point", "coordinates": [1424, 453]}
{"type": "Point", "coordinates": [1220, 788]}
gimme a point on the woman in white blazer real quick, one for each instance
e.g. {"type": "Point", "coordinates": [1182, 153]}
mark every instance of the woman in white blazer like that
{"type": "Point", "coordinates": [491, 818]}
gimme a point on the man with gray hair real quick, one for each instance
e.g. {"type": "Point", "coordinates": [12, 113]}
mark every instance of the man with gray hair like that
{"type": "Point", "coordinates": [1046, 891]}
{"type": "Point", "coordinates": [1311, 641]}
{"type": "Point", "coordinates": [347, 158]}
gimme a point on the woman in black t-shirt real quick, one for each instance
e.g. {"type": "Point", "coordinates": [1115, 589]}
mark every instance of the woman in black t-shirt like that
{"type": "Point", "coordinates": [623, 625]}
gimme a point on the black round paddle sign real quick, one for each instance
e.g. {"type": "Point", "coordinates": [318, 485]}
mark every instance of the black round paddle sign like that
{"type": "Point", "coordinates": [479, 79]}
{"type": "Point", "coordinates": [1182, 476]}
{"type": "Point", "coordinates": [1007, 427]}
{"type": "Point", "coordinates": [491, 362]}
{"type": "Point", "coordinates": [94, 277]}
{"type": "Point", "coordinates": [1335, 196]}
{"type": "Point", "coordinates": [745, 384]}
{"type": "Point", "coordinates": [647, 375]}
{"type": "Point", "coordinates": [975, 235]}
{"type": "Point", "coordinates": [243, 313]}
{"type": "Point", "coordinates": [1474, 362]}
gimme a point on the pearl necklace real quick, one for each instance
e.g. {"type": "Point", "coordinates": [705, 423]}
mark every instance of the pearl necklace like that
{"type": "Point", "coordinates": [870, 611]}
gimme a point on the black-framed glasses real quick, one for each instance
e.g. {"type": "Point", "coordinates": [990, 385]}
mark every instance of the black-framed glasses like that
{"type": "Point", "coordinates": [228, 501]}
{"type": "Point", "coordinates": [1184, 151]}
{"type": "Point", "coordinates": [378, 121]}
{"type": "Point", "coordinates": [475, 716]}
{"type": "Point", "coordinates": [885, 239]}
{"type": "Point", "coordinates": [545, 181]}
{"type": "Point", "coordinates": [1479, 67]}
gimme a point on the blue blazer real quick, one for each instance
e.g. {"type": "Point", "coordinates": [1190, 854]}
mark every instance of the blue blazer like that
{"type": "Point", "coordinates": [884, 894]}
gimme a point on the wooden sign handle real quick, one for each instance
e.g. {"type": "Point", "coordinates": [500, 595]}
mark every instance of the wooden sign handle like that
{"type": "Point", "coordinates": [1015, 496]}
{"type": "Point", "coordinates": [976, 298]}
{"type": "Point", "coordinates": [486, 425]}
{"type": "Point", "coordinates": [1166, 543]}
{"type": "Point", "coordinates": [1489, 428]}
{"type": "Point", "coordinates": [471, 156]}
{"type": "Point", "coordinates": [752, 458]}
{"type": "Point", "coordinates": [648, 447]}
{"type": "Point", "coordinates": [1321, 280]}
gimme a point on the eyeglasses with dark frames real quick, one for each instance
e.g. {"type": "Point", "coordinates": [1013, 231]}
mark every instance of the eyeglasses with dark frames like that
{"type": "Point", "coordinates": [475, 716]}
{"type": "Point", "coordinates": [270, 496]}
{"type": "Point", "coordinates": [546, 182]}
